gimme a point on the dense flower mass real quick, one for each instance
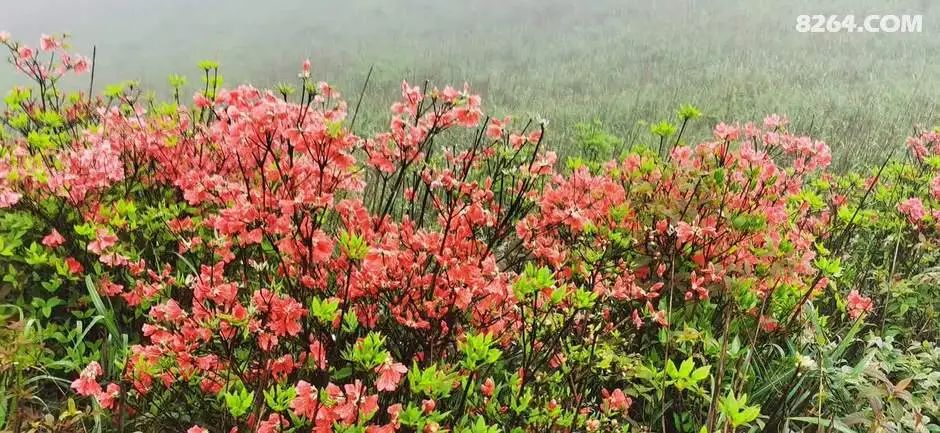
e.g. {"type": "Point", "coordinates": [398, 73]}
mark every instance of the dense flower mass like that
{"type": "Point", "coordinates": [252, 264]}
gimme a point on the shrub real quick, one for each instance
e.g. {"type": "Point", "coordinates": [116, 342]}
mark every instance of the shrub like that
{"type": "Point", "coordinates": [249, 263]}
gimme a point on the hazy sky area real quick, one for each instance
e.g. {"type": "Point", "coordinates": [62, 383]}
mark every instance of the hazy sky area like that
{"type": "Point", "coordinates": [623, 62]}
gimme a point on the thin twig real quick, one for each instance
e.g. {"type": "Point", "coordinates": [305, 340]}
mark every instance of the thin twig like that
{"type": "Point", "coordinates": [352, 124]}
{"type": "Point", "coordinates": [91, 82]}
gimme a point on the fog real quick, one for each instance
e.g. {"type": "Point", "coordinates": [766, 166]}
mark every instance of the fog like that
{"type": "Point", "coordinates": [624, 62]}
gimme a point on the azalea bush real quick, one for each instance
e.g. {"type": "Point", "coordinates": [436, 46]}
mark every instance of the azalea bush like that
{"type": "Point", "coordinates": [245, 261]}
{"type": "Point", "coordinates": [885, 262]}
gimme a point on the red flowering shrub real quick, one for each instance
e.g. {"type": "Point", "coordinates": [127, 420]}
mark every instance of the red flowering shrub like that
{"type": "Point", "coordinates": [297, 249]}
{"type": "Point", "coordinates": [715, 232]}
{"type": "Point", "coordinates": [890, 258]}
{"type": "Point", "coordinates": [710, 218]}
{"type": "Point", "coordinates": [259, 267]}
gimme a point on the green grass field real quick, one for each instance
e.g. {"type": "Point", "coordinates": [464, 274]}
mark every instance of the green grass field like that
{"type": "Point", "coordinates": [622, 62]}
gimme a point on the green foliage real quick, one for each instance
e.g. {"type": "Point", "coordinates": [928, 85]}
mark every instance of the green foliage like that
{"type": "Point", "coordinates": [595, 142]}
{"type": "Point", "coordinates": [686, 376]}
{"type": "Point", "coordinates": [736, 410]}
{"type": "Point", "coordinates": [480, 426]}
{"type": "Point", "coordinates": [369, 352]}
{"type": "Point", "coordinates": [208, 65]}
{"type": "Point", "coordinates": [353, 245]}
{"type": "Point", "coordinates": [688, 112]}
{"type": "Point", "coordinates": [663, 129]}
{"type": "Point", "coordinates": [176, 81]}
{"type": "Point", "coordinates": [431, 381]}
{"type": "Point", "coordinates": [277, 398]}
{"type": "Point", "coordinates": [239, 402]}
{"type": "Point", "coordinates": [478, 351]}
{"type": "Point", "coordinates": [325, 311]}
{"type": "Point", "coordinates": [532, 280]}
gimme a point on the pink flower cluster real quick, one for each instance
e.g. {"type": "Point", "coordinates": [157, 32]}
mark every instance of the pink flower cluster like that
{"type": "Point", "coordinates": [722, 231]}
{"type": "Point", "coordinates": [858, 304]}
{"type": "Point", "coordinates": [87, 385]}
{"type": "Point", "coordinates": [27, 58]}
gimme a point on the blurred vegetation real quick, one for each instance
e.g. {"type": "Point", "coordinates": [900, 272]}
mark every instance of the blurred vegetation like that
{"type": "Point", "coordinates": [624, 63]}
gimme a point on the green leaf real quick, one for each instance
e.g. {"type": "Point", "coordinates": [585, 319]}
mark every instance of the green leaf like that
{"type": "Point", "coordinates": [671, 369]}
{"type": "Point", "coordinates": [685, 369]}
{"type": "Point", "coordinates": [108, 314]}
{"type": "Point", "coordinates": [701, 373]}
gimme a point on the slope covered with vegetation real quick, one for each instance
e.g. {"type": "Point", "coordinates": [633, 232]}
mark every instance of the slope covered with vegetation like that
{"type": "Point", "coordinates": [248, 260]}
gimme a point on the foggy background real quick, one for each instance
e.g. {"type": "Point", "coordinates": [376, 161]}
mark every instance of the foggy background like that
{"type": "Point", "coordinates": [623, 62]}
